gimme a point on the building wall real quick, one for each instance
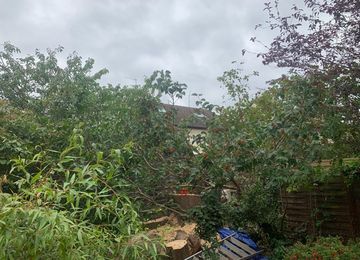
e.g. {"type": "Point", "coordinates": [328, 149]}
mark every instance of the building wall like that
{"type": "Point", "coordinates": [193, 132]}
{"type": "Point", "coordinates": [196, 131]}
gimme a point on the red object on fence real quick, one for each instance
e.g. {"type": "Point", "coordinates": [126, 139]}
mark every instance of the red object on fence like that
{"type": "Point", "coordinates": [183, 191]}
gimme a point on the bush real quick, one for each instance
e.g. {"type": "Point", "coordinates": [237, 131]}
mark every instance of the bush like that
{"type": "Point", "coordinates": [258, 209]}
{"type": "Point", "coordinates": [324, 248]}
{"type": "Point", "coordinates": [67, 207]}
{"type": "Point", "coordinates": [210, 216]}
{"type": "Point", "coordinates": [29, 232]}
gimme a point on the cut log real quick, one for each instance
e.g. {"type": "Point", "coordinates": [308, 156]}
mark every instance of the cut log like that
{"type": "Point", "coordinates": [195, 244]}
{"type": "Point", "coordinates": [178, 249]}
{"type": "Point", "coordinates": [193, 240]}
{"type": "Point", "coordinates": [154, 223]}
{"type": "Point", "coordinates": [175, 220]}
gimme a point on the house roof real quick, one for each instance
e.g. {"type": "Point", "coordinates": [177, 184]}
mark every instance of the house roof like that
{"type": "Point", "coordinates": [194, 117]}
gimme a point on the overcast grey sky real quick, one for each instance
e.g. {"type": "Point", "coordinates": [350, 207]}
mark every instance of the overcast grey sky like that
{"type": "Point", "coordinates": [195, 39]}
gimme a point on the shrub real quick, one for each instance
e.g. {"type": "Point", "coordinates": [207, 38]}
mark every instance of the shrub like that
{"type": "Point", "coordinates": [70, 207]}
{"type": "Point", "coordinates": [324, 248]}
{"type": "Point", "coordinates": [29, 232]}
{"type": "Point", "coordinates": [210, 216]}
{"type": "Point", "coordinates": [257, 211]}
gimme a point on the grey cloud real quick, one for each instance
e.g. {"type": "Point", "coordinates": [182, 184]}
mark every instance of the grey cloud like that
{"type": "Point", "coordinates": [195, 39]}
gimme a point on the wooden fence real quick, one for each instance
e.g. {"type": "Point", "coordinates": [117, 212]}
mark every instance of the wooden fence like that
{"type": "Point", "coordinates": [331, 208]}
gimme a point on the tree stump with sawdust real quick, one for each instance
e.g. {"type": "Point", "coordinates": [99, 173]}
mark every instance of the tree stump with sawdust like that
{"type": "Point", "coordinates": [178, 249]}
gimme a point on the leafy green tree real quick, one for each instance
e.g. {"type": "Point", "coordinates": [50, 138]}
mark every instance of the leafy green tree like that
{"type": "Point", "coordinates": [162, 83]}
{"type": "Point", "coordinates": [61, 98]}
{"type": "Point", "coordinates": [38, 83]}
{"type": "Point", "coordinates": [259, 146]}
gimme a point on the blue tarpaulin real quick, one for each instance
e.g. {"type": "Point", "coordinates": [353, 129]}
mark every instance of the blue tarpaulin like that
{"type": "Point", "coordinates": [243, 237]}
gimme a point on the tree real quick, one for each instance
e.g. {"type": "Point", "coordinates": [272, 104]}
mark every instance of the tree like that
{"type": "Point", "coordinates": [330, 44]}
{"type": "Point", "coordinates": [263, 144]}
{"type": "Point", "coordinates": [162, 82]}
{"type": "Point", "coordinates": [322, 42]}
{"type": "Point", "coordinates": [39, 83]}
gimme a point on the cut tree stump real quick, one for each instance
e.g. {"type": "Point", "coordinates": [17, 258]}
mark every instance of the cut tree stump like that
{"type": "Point", "coordinates": [178, 249]}
{"type": "Point", "coordinates": [154, 223]}
{"type": "Point", "coordinates": [181, 235]}
{"type": "Point", "coordinates": [193, 240]}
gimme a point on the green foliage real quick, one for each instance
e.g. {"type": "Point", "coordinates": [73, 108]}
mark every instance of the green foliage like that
{"type": "Point", "coordinates": [261, 145]}
{"type": "Point", "coordinates": [161, 82]}
{"type": "Point", "coordinates": [37, 82]}
{"type": "Point", "coordinates": [236, 85]}
{"type": "Point", "coordinates": [58, 99]}
{"type": "Point", "coordinates": [257, 211]}
{"type": "Point", "coordinates": [89, 191]}
{"type": "Point", "coordinates": [29, 232]}
{"type": "Point", "coordinates": [79, 195]}
{"type": "Point", "coordinates": [210, 216]}
{"type": "Point", "coordinates": [324, 248]}
{"type": "Point", "coordinates": [125, 157]}
{"type": "Point", "coordinates": [122, 147]}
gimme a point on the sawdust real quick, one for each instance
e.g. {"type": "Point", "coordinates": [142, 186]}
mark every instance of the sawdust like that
{"type": "Point", "coordinates": [168, 232]}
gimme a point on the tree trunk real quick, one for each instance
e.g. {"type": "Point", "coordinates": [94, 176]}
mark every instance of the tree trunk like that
{"type": "Point", "coordinates": [178, 249]}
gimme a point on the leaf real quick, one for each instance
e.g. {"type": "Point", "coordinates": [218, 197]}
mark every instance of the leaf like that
{"type": "Point", "coordinates": [72, 180]}
{"type": "Point", "coordinates": [80, 238]}
{"type": "Point", "coordinates": [99, 157]}
{"type": "Point", "coordinates": [36, 177]}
